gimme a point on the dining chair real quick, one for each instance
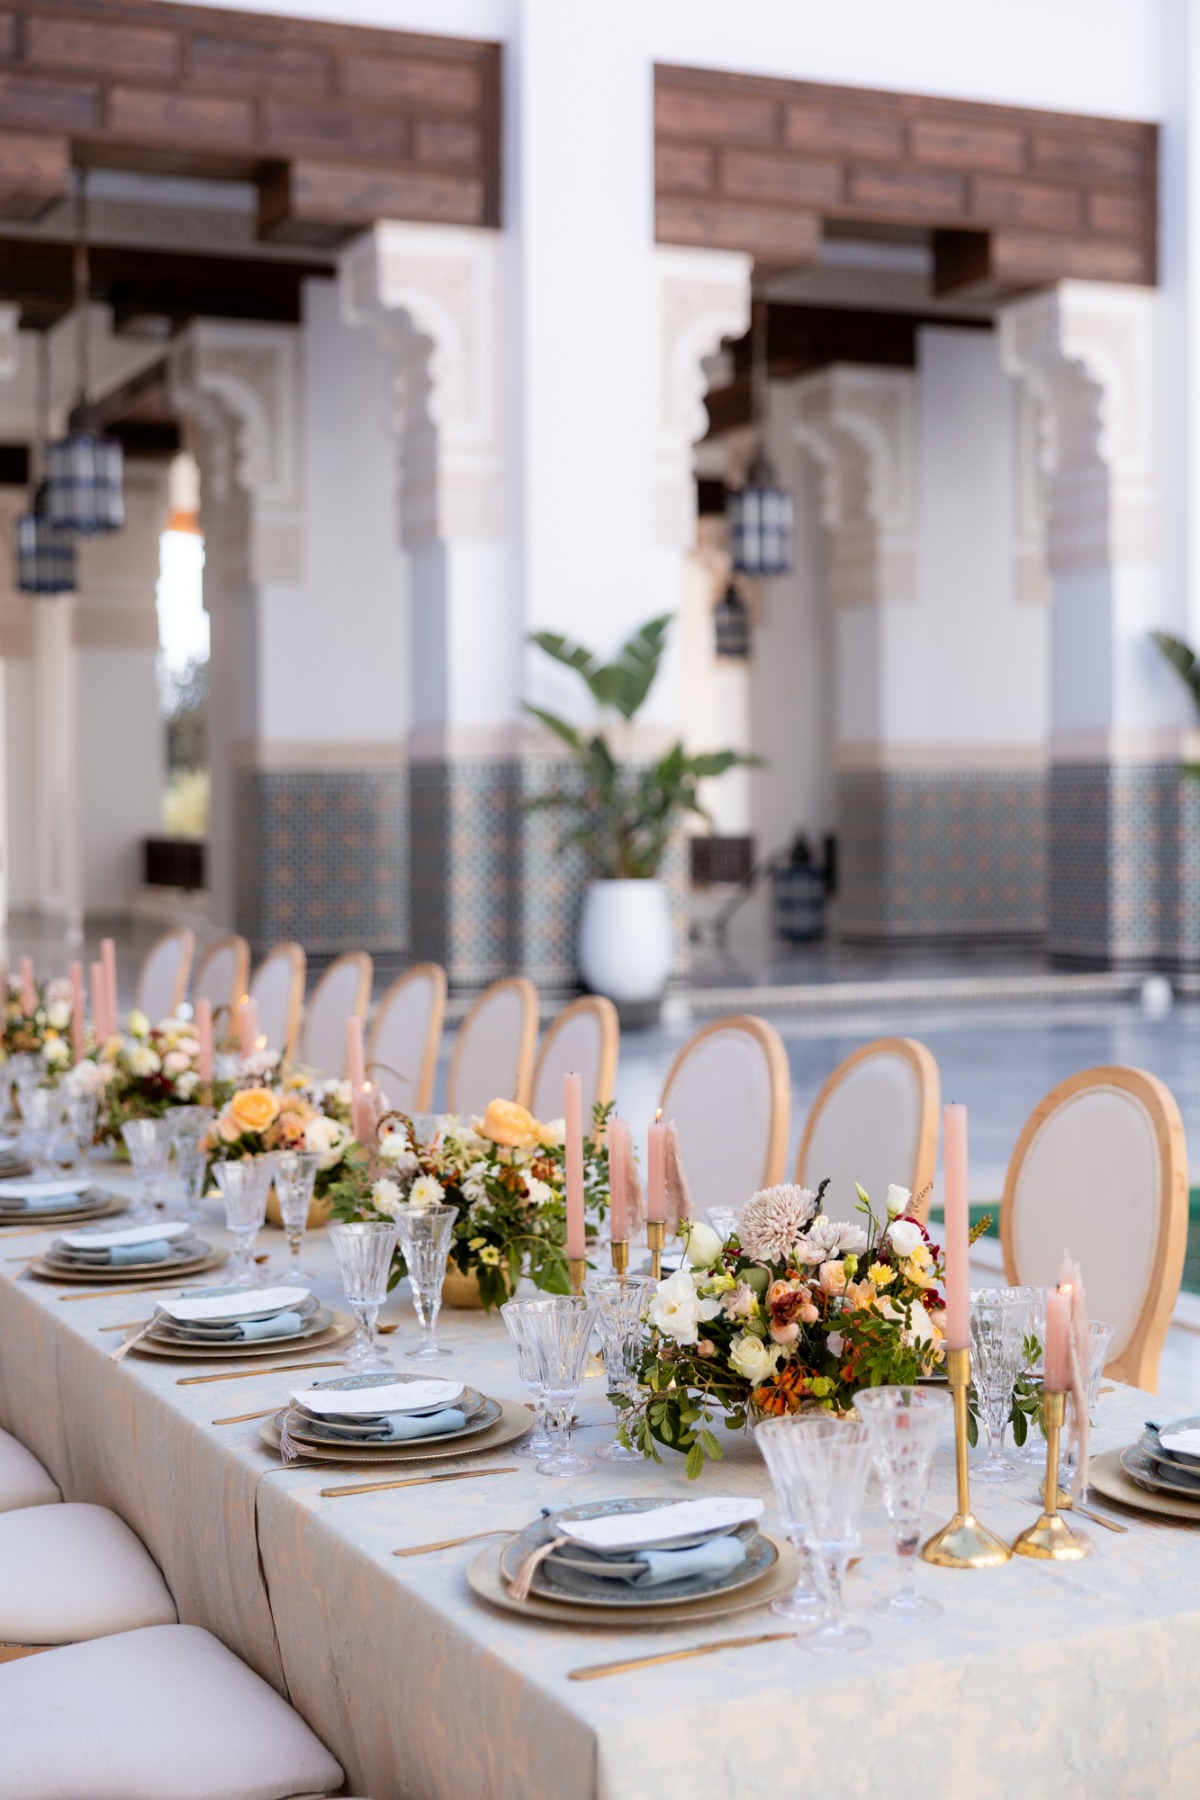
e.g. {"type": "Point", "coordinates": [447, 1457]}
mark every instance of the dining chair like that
{"type": "Point", "coordinates": [163, 977]}
{"type": "Point", "coordinates": [1100, 1171]}
{"type": "Point", "coordinates": [277, 989]}
{"type": "Point", "coordinates": [163, 1711]}
{"type": "Point", "coordinates": [71, 1572]}
{"type": "Point", "coordinates": [23, 1480]}
{"type": "Point", "coordinates": [586, 1038]}
{"type": "Point", "coordinates": [223, 975]}
{"type": "Point", "coordinates": [874, 1122]}
{"type": "Point", "coordinates": [407, 1029]}
{"type": "Point", "coordinates": [493, 1051]}
{"type": "Point", "coordinates": [729, 1094]}
{"type": "Point", "coordinates": [344, 989]}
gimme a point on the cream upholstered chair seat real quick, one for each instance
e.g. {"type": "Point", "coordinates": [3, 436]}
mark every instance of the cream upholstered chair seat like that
{"type": "Point", "coordinates": [163, 979]}
{"type": "Point", "coordinates": [277, 989]}
{"type": "Point", "coordinates": [493, 1052]}
{"type": "Point", "coordinates": [874, 1122]}
{"type": "Point", "coordinates": [403, 1046]}
{"type": "Point", "coordinates": [729, 1095]}
{"type": "Point", "coordinates": [23, 1481]}
{"type": "Point", "coordinates": [223, 972]}
{"type": "Point", "coordinates": [1100, 1170]}
{"type": "Point", "coordinates": [72, 1572]}
{"type": "Point", "coordinates": [584, 1039]}
{"type": "Point", "coordinates": [343, 989]}
{"type": "Point", "coordinates": [167, 1713]}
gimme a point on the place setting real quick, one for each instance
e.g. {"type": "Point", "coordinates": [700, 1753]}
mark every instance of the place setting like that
{"type": "Point", "coordinates": [127, 1254]}
{"type": "Point", "coordinates": [1160, 1474]}
{"type": "Point", "coordinates": [236, 1321]}
{"type": "Point", "coordinates": [391, 1417]}
{"type": "Point", "coordinates": [55, 1202]}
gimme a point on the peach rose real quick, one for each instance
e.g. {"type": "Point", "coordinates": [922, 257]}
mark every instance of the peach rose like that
{"type": "Point", "coordinates": [509, 1125]}
{"type": "Point", "coordinates": [254, 1109]}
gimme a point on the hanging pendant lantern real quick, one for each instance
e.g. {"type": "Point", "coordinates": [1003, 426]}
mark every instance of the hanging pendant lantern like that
{"type": "Point", "coordinates": [760, 514]}
{"type": "Point", "coordinates": [45, 554]}
{"type": "Point", "coordinates": [731, 617]}
{"type": "Point", "coordinates": [84, 470]}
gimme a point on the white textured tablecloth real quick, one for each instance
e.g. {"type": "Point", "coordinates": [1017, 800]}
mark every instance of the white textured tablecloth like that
{"type": "Point", "coordinates": [1039, 1679]}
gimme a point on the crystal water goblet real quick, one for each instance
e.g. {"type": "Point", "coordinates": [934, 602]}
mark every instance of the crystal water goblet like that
{"type": "Point", "coordinates": [834, 1457]}
{"type": "Point", "coordinates": [904, 1423]}
{"type": "Point", "coordinates": [28, 1069]}
{"type": "Point", "coordinates": [1033, 1450]}
{"type": "Point", "coordinates": [999, 1326]}
{"type": "Point", "coordinates": [243, 1186]}
{"type": "Point", "coordinates": [425, 1234]}
{"type": "Point", "coordinates": [621, 1303]}
{"type": "Point", "coordinates": [776, 1440]}
{"type": "Point", "coordinates": [364, 1251]}
{"type": "Point", "coordinates": [724, 1221]}
{"type": "Point", "coordinates": [188, 1126]}
{"type": "Point", "coordinates": [515, 1314]}
{"type": "Point", "coordinates": [148, 1142]}
{"type": "Point", "coordinates": [44, 1109]}
{"type": "Point", "coordinates": [82, 1109]}
{"type": "Point", "coordinates": [295, 1176]}
{"type": "Point", "coordinates": [561, 1334]}
{"type": "Point", "coordinates": [1101, 1338]}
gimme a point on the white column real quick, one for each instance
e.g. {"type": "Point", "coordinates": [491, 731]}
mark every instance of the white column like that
{"type": "Point", "coordinates": [56, 764]}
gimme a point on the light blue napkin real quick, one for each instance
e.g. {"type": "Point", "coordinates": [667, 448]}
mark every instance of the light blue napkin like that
{"type": "Point", "coordinates": [46, 1203]}
{"type": "Point", "coordinates": [397, 1427]}
{"type": "Point", "coordinates": [158, 1251]}
{"type": "Point", "coordinates": [284, 1324]}
{"type": "Point", "coordinates": [715, 1558]}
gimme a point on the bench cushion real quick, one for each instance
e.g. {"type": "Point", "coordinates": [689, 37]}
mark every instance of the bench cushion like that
{"type": "Point", "coordinates": [73, 1572]}
{"type": "Point", "coordinates": [23, 1481]}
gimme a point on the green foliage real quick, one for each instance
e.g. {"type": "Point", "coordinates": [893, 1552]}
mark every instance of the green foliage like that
{"type": "Point", "coordinates": [1183, 660]}
{"type": "Point", "coordinates": [623, 814]}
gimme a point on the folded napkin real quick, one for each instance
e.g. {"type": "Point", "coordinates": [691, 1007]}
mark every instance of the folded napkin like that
{"type": "Point", "coordinates": [284, 1324]}
{"type": "Point", "coordinates": [716, 1558]}
{"type": "Point", "coordinates": [42, 1203]}
{"type": "Point", "coordinates": [117, 1255]}
{"type": "Point", "coordinates": [395, 1428]}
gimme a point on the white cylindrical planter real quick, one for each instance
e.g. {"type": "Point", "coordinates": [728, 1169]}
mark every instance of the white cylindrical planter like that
{"type": "Point", "coordinates": [625, 940]}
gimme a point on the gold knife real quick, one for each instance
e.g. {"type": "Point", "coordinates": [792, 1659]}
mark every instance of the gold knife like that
{"type": "Point", "coordinates": [594, 1671]}
{"type": "Point", "coordinates": [238, 1374]}
{"type": "Point", "coordinates": [163, 1287]}
{"type": "Point", "coordinates": [450, 1543]}
{"type": "Point", "coordinates": [241, 1418]}
{"type": "Point", "coordinates": [377, 1487]}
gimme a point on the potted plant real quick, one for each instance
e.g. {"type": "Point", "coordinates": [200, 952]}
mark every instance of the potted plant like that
{"type": "Point", "coordinates": [622, 814]}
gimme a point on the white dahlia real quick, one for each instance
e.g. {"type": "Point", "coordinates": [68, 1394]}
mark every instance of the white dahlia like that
{"type": "Point", "coordinates": [773, 1219]}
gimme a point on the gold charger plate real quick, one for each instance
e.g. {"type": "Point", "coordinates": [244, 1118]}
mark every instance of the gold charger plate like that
{"type": "Point", "coordinates": [161, 1273]}
{"type": "Point", "coordinates": [486, 1580]}
{"type": "Point", "coordinates": [40, 1221]}
{"type": "Point", "coordinates": [338, 1329]}
{"type": "Point", "coordinates": [1108, 1476]}
{"type": "Point", "coordinates": [513, 1423]}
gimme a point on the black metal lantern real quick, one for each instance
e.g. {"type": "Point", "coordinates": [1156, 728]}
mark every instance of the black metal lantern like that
{"type": "Point", "coordinates": [760, 522]}
{"type": "Point", "coordinates": [84, 471]}
{"type": "Point", "coordinates": [731, 616]}
{"type": "Point", "coordinates": [45, 554]}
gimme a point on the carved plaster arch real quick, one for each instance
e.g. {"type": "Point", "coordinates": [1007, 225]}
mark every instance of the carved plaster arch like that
{"type": "Point", "coordinates": [703, 297]}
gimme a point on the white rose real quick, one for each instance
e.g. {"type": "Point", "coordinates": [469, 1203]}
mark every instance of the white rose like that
{"type": "Point", "coordinates": [137, 1024]}
{"type": "Point", "coordinates": [750, 1358]}
{"type": "Point", "coordinates": [904, 1235]}
{"type": "Point", "coordinates": [920, 1327]}
{"type": "Point", "coordinates": [386, 1197]}
{"type": "Point", "coordinates": [327, 1138]}
{"type": "Point", "coordinates": [703, 1244]}
{"type": "Point", "coordinates": [58, 1015]}
{"type": "Point", "coordinates": [393, 1145]}
{"type": "Point", "coordinates": [174, 1062]}
{"type": "Point", "coordinates": [677, 1309]}
{"type": "Point", "coordinates": [187, 1084]}
{"type": "Point", "coordinates": [145, 1062]}
{"type": "Point", "coordinates": [538, 1192]}
{"type": "Point", "coordinates": [897, 1200]}
{"type": "Point", "coordinates": [57, 1052]}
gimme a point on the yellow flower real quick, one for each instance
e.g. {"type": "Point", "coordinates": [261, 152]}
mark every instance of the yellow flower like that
{"type": "Point", "coordinates": [490, 1256]}
{"type": "Point", "coordinates": [254, 1109]}
{"type": "Point", "coordinates": [880, 1274]}
{"type": "Point", "coordinates": [860, 1295]}
{"type": "Point", "coordinates": [476, 1243]}
{"type": "Point", "coordinates": [917, 1268]}
{"type": "Point", "coordinates": [508, 1124]}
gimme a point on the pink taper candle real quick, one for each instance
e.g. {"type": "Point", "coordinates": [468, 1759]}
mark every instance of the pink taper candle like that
{"type": "Point", "coordinates": [957, 1234]}
{"type": "Point", "coordinates": [28, 986]}
{"type": "Point", "coordinates": [656, 1174]}
{"type": "Point", "coordinates": [248, 1027]}
{"type": "Point", "coordinates": [108, 956]}
{"type": "Point", "coordinates": [1056, 1362]}
{"type": "Point", "coordinates": [620, 1160]}
{"type": "Point", "coordinates": [99, 1014]}
{"type": "Point", "coordinates": [77, 1037]}
{"type": "Point", "coordinates": [204, 1031]}
{"type": "Point", "coordinates": [573, 1138]}
{"type": "Point", "coordinates": [356, 1067]}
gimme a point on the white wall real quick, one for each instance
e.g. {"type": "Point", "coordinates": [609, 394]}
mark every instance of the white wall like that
{"type": "Point", "coordinates": [122, 770]}
{"type": "Point", "coordinates": [18, 732]}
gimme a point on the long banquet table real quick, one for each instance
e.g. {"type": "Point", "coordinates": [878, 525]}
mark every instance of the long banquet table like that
{"type": "Point", "coordinates": [1039, 1678]}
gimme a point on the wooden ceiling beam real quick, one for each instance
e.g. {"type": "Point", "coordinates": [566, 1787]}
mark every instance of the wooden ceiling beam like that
{"type": "Point", "coordinates": [35, 174]}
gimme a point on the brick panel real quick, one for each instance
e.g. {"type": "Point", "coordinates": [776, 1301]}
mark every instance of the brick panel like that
{"type": "Point", "coordinates": [1118, 210]}
{"type": "Point", "coordinates": [781, 180]}
{"type": "Point", "coordinates": [1046, 205]}
{"type": "Point", "coordinates": [321, 130]}
{"type": "Point", "coordinates": [684, 169]}
{"type": "Point", "coordinates": [950, 144]}
{"type": "Point", "coordinates": [840, 131]}
{"type": "Point", "coordinates": [774, 233]}
{"type": "Point", "coordinates": [911, 194]}
{"type": "Point", "coordinates": [239, 65]}
{"type": "Point", "coordinates": [174, 118]}
{"type": "Point", "coordinates": [719, 119]}
{"type": "Point", "coordinates": [297, 206]}
{"type": "Point", "coordinates": [448, 141]}
{"type": "Point", "coordinates": [443, 87]}
{"type": "Point", "coordinates": [48, 105]}
{"type": "Point", "coordinates": [102, 49]}
{"type": "Point", "coordinates": [1097, 157]}
{"type": "Point", "coordinates": [1024, 257]}
{"type": "Point", "coordinates": [8, 34]}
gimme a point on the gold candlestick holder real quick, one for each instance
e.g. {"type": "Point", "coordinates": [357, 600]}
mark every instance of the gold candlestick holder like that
{"type": "Point", "coordinates": [1051, 1538]}
{"type": "Point", "coordinates": [620, 1256]}
{"type": "Point", "coordinates": [964, 1543]}
{"type": "Point", "coordinates": [576, 1271]}
{"type": "Point", "coordinates": [656, 1234]}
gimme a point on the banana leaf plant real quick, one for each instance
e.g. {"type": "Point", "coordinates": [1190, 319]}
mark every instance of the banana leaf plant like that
{"type": "Point", "coordinates": [623, 813]}
{"type": "Point", "coordinates": [1186, 663]}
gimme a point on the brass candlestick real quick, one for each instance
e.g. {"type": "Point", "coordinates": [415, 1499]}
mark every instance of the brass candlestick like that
{"type": "Point", "coordinates": [620, 1256]}
{"type": "Point", "coordinates": [964, 1543]}
{"type": "Point", "coordinates": [656, 1233]}
{"type": "Point", "coordinates": [576, 1271]}
{"type": "Point", "coordinates": [1051, 1538]}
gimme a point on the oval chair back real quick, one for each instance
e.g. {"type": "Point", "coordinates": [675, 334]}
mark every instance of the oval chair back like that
{"type": "Point", "coordinates": [585, 1037]}
{"type": "Point", "coordinates": [222, 975]}
{"type": "Point", "coordinates": [493, 1052]}
{"type": "Point", "coordinates": [277, 989]}
{"type": "Point", "coordinates": [163, 977]}
{"type": "Point", "coordinates": [403, 1046]}
{"type": "Point", "coordinates": [729, 1093]}
{"type": "Point", "coordinates": [343, 989]}
{"type": "Point", "coordinates": [875, 1122]}
{"type": "Point", "coordinates": [1100, 1171]}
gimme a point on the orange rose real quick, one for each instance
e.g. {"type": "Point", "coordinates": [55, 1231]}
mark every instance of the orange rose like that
{"type": "Point", "coordinates": [510, 1125]}
{"type": "Point", "coordinates": [254, 1109]}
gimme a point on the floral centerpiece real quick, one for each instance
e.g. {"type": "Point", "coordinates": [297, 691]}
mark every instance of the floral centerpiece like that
{"type": "Point", "coordinates": [145, 1070]}
{"type": "Point", "coordinates": [301, 1113]}
{"type": "Point", "coordinates": [505, 1173]}
{"type": "Point", "coordinates": [46, 1030]}
{"type": "Point", "coordinates": [794, 1310]}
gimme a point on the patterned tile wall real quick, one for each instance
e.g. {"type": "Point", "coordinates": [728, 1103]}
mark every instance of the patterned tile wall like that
{"type": "Point", "coordinates": [322, 857]}
{"type": "Point", "coordinates": [942, 854]}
